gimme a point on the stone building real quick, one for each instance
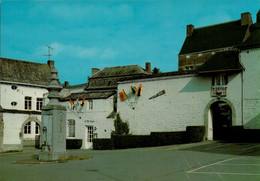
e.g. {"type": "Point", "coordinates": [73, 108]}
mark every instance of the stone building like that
{"type": "Point", "coordinates": [220, 88]}
{"type": "Point", "coordinates": [22, 85]}
{"type": "Point", "coordinates": [90, 112]}
{"type": "Point", "coordinates": [202, 43]}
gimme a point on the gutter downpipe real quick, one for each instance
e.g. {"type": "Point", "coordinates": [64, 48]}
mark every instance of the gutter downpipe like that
{"type": "Point", "coordinates": [242, 89]}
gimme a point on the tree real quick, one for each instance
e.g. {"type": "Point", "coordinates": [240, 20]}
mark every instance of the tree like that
{"type": "Point", "coordinates": [156, 70]}
{"type": "Point", "coordinates": [121, 127]}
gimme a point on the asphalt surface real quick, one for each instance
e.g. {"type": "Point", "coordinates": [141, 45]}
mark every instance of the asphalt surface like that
{"type": "Point", "coordinates": [206, 161]}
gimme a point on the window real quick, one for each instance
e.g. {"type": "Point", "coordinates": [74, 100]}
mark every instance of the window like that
{"type": "Point", "coordinates": [71, 128]}
{"type": "Point", "coordinates": [14, 87]}
{"type": "Point", "coordinates": [37, 128]}
{"type": "Point", "coordinates": [28, 103]}
{"type": "Point", "coordinates": [39, 103]}
{"type": "Point", "coordinates": [90, 104]}
{"type": "Point", "coordinates": [220, 80]}
{"type": "Point", "coordinates": [90, 134]}
{"type": "Point", "coordinates": [13, 103]}
{"type": "Point", "coordinates": [27, 128]}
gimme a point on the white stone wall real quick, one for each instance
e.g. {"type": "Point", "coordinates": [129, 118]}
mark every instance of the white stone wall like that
{"type": "Point", "coordinates": [184, 103]}
{"type": "Point", "coordinates": [8, 95]}
{"type": "Point", "coordinates": [251, 62]}
{"type": "Point", "coordinates": [97, 117]}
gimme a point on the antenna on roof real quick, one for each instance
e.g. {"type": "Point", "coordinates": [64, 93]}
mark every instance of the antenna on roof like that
{"type": "Point", "coordinates": [49, 51]}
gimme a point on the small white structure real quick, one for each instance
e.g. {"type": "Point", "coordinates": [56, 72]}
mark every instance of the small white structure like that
{"type": "Point", "coordinates": [22, 85]}
{"type": "Point", "coordinates": [220, 90]}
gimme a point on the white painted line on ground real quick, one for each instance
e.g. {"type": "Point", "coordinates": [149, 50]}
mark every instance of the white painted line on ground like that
{"type": "Point", "coordinates": [223, 173]}
{"type": "Point", "coordinates": [211, 164]}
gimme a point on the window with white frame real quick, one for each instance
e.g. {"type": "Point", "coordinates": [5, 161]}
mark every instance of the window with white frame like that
{"type": "Point", "coordinates": [28, 103]}
{"type": "Point", "coordinates": [90, 134]}
{"type": "Point", "coordinates": [220, 80]}
{"type": "Point", "coordinates": [27, 128]}
{"type": "Point", "coordinates": [71, 128]}
{"type": "Point", "coordinates": [39, 102]}
{"type": "Point", "coordinates": [90, 104]}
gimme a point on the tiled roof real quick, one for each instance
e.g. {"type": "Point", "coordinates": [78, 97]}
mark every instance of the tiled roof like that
{"type": "Point", "coordinates": [222, 61]}
{"type": "Point", "coordinates": [254, 39]}
{"type": "Point", "coordinates": [214, 37]}
{"type": "Point", "coordinates": [108, 77]}
{"type": "Point", "coordinates": [89, 95]}
{"type": "Point", "coordinates": [24, 72]}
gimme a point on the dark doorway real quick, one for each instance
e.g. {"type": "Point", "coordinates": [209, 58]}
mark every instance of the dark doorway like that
{"type": "Point", "coordinates": [222, 118]}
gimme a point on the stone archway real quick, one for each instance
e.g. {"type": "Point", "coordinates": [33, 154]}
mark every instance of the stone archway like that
{"type": "Point", "coordinates": [219, 113]}
{"type": "Point", "coordinates": [25, 123]}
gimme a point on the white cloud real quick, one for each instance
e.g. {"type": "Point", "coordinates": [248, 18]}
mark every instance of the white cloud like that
{"type": "Point", "coordinates": [76, 51]}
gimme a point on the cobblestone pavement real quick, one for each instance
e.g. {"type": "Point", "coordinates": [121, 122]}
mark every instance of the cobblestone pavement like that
{"type": "Point", "coordinates": [199, 161]}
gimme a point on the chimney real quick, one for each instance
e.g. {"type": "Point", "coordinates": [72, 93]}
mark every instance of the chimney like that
{"type": "Point", "coordinates": [148, 67]}
{"type": "Point", "coordinates": [190, 29]}
{"type": "Point", "coordinates": [246, 19]}
{"type": "Point", "coordinates": [95, 70]}
{"type": "Point", "coordinates": [66, 84]}
{"type": "Point", "coordinates": [51, 63]}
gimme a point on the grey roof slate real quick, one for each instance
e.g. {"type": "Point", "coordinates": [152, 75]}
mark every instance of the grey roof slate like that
{"type": "Point", "coordinates": [222, 61]}
{"type": "Point", "coordinates": [108, 77]}
{"type": "Point", "coordinates": [19, 71]}
{"type": "Point", "coordinates": [89, 95]}
{"type": "Point", "coordinates": [223, 35]}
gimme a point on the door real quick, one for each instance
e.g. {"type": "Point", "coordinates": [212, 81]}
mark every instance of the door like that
{"type": "Point", "coordinates": [89, 137]}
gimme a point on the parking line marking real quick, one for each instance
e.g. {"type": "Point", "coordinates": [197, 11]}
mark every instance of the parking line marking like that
{"type": "Point", "coordinates": [211, 164]}
{"type": "Point", "coordinates": [241, 164]}
{"type": "Point", "coordinates": [223, 173]}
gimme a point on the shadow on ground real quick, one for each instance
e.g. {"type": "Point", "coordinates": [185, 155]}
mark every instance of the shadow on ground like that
{"type": "Point", "coordinates": [221, 147]}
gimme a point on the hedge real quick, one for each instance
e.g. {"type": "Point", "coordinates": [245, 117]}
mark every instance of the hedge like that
{"type": "Point", "coordinates": [131, 141]}
{"type": "Point", "coordinates": [102, 144]}
{"type": "Point", "coordinates": [167, 138]}
{"type": "Point", "coordinates": [73, 143]}
{"type": "Point", "coordinates": [195, 134]}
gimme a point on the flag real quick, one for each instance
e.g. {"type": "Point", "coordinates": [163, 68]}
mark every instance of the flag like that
{"type": "Point", "coordinates": [134, 89]}
{"type": "Point", "coordinates": [83, 102]}
{"type": "Point", "coordinates": [72, 104]}
{"type": "Point", "coordinates": [123, 95]}
{"type": "Point", "coordinates": [140, 90]}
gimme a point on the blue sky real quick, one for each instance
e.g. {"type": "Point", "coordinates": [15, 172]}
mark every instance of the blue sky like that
{"type": "Point", "coordinates": [106, 33]}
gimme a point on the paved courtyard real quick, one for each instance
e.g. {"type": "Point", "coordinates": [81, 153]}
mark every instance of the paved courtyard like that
{"type": "Point", "coordinates": [199, 162]}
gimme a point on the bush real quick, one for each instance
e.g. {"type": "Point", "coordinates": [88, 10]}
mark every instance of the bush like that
{"type": "Point", "coordinates": [167, 138]}
{"type": "Point", "coordinates": [73, 143]}
{"type": "Point", "coordinates": [131, 141]}
{"type": "Point", "coordinates": [121, 128]}
{"type": "Point", "coordinates": [195, 134]}
{"type": "Point", "coordinates": [102, 144]}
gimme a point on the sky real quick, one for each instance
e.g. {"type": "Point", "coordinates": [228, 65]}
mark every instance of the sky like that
{"type": "Point", "coordinates": [87, 34]}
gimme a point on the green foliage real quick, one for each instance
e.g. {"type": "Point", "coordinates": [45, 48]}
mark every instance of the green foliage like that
{"type": "Point", "coordinates": [102, 144]}
{"type": "Point", "coordinates": [73, 143]}
{"type": "Point", "coordinates": [167, 138]}
{"type": "Point", "coordinates": [195, 133]}
{"type": "Point", "coordinates": [121, 128]}
{"type": "Point", "coordinates": [131, 141]}
{"type": "Point", "coordinates": [156, 70]}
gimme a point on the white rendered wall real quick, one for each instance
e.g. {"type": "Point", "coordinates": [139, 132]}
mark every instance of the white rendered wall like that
{"type": "Point", "coordinates": [97, 117]}
{"type": "Point", "coordinates": [8, 95]}
{"type": "Point", "coordinates": [251, 62]}
{"type": "Point", "coordinates": [184, 103]}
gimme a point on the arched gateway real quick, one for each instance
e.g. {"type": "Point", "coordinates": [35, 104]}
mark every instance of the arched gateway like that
{"type": "Point", "coordinates": [219, 114]}
{"type": "Point", "coordinates": [29, 130]}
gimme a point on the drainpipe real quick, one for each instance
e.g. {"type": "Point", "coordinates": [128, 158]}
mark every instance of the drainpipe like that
{"type": "Point", "coordinates": [242, 88]}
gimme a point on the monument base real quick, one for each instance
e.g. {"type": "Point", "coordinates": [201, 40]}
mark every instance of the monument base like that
{"type": "Point", "coordinates": [48, 156]}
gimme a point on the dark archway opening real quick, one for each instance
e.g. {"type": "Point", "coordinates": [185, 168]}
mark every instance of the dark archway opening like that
{"type": "Point", "coordinates": [222, 119]}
